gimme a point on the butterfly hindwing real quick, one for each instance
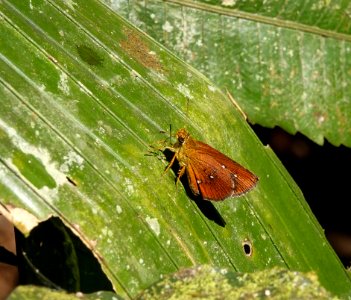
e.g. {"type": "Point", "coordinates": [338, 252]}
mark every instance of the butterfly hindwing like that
{"type": "Point", "coordinates": [209, 180]}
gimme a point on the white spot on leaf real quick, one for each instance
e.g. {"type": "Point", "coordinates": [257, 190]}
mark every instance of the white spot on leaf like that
{"type": "Point", "coordinates": [118, 209]}
{"type": "Point", "coordinates": [211, 88]}
{"type": "Point", "coordinates": [184, 90]}
{"type": "Point", "coordinates": [129, 187]}
{"type": "Point", "coordinates": [167, 27]}
{"type": "Point", "coordinates": [41, 154]}
{"type": "Point", "coordinates": [72, 159]}
{"type": "Point", "coordinates": [153, 224]}
{"type": "Point", "coordinates": [63, 83]}
{"type": "Point", "coordinates": [228, 2]}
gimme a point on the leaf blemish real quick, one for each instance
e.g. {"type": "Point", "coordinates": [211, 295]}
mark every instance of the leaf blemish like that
{"type": "Point", "coordinates": [71, 181]}
{"type": "Point", "coordinates": [153, 224]}
{"type": "Point", "coordinates": [63, 83]}
{"type": "Point", "coordinates": [139, 50]}
{"type": "Point", "coordinates": [89, 55]}
{"type": "Point", "coordinates": [72, 159]}
{"type": "Point", "coordinates": [118, 209]}
{"type": "Point", "coordinates": [167, 27]}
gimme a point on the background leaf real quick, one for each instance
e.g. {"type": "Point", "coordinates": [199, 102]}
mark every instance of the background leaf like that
{"type": "Point", "coordinates": [204, 282]}
{"type": "Point", "coordinates": [83, 95]}
{"type": "Point", "coordinates": [33, 292]}
{"type": "Point", "coordinates": [287, 63]}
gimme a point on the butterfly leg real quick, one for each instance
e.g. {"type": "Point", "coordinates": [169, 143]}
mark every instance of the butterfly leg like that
{"type": "Point", "coordinates": [170, 163]}
{"type": "Point", "coordinates": [180, 173]}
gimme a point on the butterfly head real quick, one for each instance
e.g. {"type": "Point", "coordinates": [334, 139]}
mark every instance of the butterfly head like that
{"type": "Point", "coordinates": [182, 135]}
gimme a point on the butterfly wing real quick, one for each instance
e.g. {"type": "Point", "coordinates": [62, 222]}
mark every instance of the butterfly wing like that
{"type": "Point", "coordinates": [205, 180]}
{"type": "Point", "coordinates": [215, 176]}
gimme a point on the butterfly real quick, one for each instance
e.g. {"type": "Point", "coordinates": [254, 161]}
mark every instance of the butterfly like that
{"type": "Point", "coordinates": [211, 174]}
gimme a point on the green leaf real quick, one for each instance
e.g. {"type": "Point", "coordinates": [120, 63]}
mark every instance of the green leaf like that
{"type": "Point", "coordinates": [204, 282]}
{"type": "Point", "coordinates": [83, 95]}
{"type": "Point", "coordinates": [34, 292]}
{"type": "Point", "coordinates": [287, 63]}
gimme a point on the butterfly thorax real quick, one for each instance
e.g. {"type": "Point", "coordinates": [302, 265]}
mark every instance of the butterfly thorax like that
{"type": "Point", "coordinates": [184, 142]}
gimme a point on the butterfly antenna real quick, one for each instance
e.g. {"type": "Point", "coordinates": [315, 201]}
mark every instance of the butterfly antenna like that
{"type": "Point", "coordinates": [170, 134]}
{"type": "Point", "coordinates": [187, 106]}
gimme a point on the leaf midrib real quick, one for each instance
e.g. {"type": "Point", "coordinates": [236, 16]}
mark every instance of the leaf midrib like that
{"type": "Point", "coordinates": [262, 19]}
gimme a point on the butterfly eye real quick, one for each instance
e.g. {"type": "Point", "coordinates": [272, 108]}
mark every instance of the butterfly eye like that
{"type": "Point", "coordinates": [181, 139]}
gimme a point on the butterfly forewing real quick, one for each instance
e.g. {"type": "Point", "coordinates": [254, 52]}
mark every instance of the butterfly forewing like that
{"type": "Point", "coordinates": [216, 176]}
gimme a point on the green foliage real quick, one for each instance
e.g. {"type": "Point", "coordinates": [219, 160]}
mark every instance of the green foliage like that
{"type": "Point", "coordinates": [83, 95]}
{"type": "Point", "coordinates": [35, 292]}
{"type": "Point", "coordinates": [205, 282]}
{"type": "Point", "coordinates": [287, 63]}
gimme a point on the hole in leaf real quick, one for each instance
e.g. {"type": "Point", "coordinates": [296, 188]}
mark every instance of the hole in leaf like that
{"type": "Point", "coordinates": [247, 247]}
{"type": "Point", "coordinates": [53, 256]}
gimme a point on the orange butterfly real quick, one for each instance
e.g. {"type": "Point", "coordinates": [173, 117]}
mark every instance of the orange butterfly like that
{"type": "Point", "coordinates": [211, 174]}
